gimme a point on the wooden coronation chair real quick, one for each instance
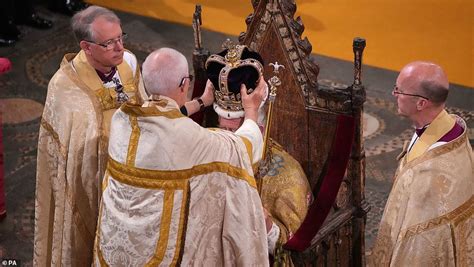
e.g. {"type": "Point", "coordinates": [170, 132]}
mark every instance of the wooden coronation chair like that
{"type": "Point", "coordinates": [320, 126]}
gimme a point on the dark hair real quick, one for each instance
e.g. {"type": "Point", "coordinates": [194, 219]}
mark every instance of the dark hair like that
{"type": "Point", "coordinates": [436, 92]}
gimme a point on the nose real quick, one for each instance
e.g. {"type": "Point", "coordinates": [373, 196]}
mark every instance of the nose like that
{"type": "Point", "coordinates": [395, 92]}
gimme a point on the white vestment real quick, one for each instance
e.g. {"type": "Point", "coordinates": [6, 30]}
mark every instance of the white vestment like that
{"type": "Point", "coordinates": [429, 216]}
{"type": "Point", "coordinates": [176, 193]}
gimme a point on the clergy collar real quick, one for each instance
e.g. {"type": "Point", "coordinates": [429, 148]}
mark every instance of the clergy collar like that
{"type": "Point", "coordinates": [107, 77]}
{"type": "Point", "coordinates": [420, 131]}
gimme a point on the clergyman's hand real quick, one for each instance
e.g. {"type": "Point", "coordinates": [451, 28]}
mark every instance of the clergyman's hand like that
{"type": "Point", "coordinates": [208, 95]}
{"type": "Point", "coordinates": [207, 98]}
{"type": "Point", "coordinates": [251, 102]}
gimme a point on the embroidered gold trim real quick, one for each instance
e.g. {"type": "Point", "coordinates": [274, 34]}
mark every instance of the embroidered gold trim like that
{"type": "Point", "coordinates": [137, 98]}
{"type": "Point", "coordinates": [157, 101]}
{"type": "Point", "coordinates": [105, 182]}
{"type": "Point", "coordinates": [55, 136]}
{"type": "Point", "coordinates": [133, 143]}
{"type": "Point", "coordinates": [183, 221]}
{"type": "Point", "coordinates": [102, 261]}
{"type": "Point", "coordinates": [108, 96]}
{"type": "Point", "coordinates": [164, 229]}
{"type": "Point", "coordinates": [461, 245]}
{"type": "Point", "coordinates": [139, 111]}
{"type": "Point", "coordinates": [456, 216]}
{"type": "Point", "coordinates": [154, 179]}
{"type": "Point", "coordinates": [248, 145]}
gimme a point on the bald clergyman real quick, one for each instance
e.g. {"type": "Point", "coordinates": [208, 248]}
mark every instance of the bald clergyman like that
{"type": "Point", "coordinates": [428, 219]}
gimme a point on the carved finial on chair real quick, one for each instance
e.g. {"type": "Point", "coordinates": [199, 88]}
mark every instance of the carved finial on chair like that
{"type": "Point", "coordinates": [275, 80]}
{"type": "Point", "coordinates": [358, 46]}
{"type": "Point", "coordinates": [276, 66]}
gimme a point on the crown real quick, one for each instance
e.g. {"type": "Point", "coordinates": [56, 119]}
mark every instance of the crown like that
{"type": "Point", "coordinates": [227, 70]}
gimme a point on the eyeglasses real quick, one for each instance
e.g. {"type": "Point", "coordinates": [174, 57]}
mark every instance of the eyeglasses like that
{"type": "Point", "coordinates": [190, 77]}
{"type": "Point", "coordinates": [397, 92]}
{"type": "Point", "coordinates": [110, 44]}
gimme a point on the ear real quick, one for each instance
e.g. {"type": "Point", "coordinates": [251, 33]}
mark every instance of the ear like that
{"type": "Point", "coordinates": [86, 46]}
{"type": "Point", "coordinates": [421, 104]}
{"type": "Point", "coordinates": [186, 84]}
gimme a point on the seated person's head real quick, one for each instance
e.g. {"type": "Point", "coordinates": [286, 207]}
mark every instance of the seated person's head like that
{"type": "Point", "coordinates": [165, 72]}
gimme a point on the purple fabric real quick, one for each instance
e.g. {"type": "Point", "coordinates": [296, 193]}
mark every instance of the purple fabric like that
{"type": "Point", "coordinates": [419, 132]}
{"type": "Point", "coordinates": [454, 133]}
{"type": "Point", "coordinates": [107, 78]}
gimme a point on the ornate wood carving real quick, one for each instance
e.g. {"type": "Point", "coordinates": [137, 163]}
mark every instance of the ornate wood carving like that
{"type": "Point", "coordinates": [278, 15]}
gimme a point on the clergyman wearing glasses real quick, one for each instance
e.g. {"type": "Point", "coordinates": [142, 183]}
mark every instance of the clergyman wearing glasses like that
{"type": "Point", "coordinates": [72, 146]}
{"type": "Point", "coordinates": [428, 219]}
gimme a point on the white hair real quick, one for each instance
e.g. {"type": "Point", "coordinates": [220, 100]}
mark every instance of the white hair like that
{"type": "Point", "coordinates": [81, 22]}
{"type": "Point", "coordinates": [163, 71]}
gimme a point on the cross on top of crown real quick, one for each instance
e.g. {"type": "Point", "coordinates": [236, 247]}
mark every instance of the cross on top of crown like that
{"type": "Point", "coordinates": [233, 54]}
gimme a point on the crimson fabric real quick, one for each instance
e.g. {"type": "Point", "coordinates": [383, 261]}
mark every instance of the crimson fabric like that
{"type": "Point", "coordinates": [5, 65]}
{"type": "Point", "coordinates": [337, 164]}
{"type": "Point", "coordinates": [3, 210]}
